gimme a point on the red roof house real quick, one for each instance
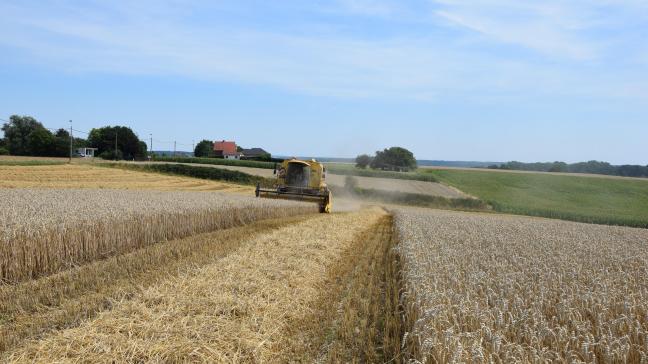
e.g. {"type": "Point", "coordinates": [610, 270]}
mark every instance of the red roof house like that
{"type": "Point", "coordinates": [226, 149]}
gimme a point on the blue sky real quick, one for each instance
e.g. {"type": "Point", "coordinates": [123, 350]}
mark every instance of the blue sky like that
{"type": "Point", "coordinates": [493, 80]}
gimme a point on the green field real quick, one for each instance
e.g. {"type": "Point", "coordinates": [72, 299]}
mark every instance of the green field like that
{"type": "Point", "coordinates": [586, 199]}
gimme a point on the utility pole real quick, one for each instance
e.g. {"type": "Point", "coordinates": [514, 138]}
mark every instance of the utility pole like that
{"type": "Point", "coordinates": [71, 139]}
{"type": "Point", "coordinates": [174, 148]}
{"type": "Point", "coordinates": [193, 148]}
{"type": "Point", "coordinates": [115, 143]}
{"type": "Point", "coordinates": [151, 136]}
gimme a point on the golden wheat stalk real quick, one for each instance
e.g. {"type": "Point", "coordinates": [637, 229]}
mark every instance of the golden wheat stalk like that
{"type": "Point", "coordinates": [45, 231]}
{"type": "Point", "coordinates": [493, 288]}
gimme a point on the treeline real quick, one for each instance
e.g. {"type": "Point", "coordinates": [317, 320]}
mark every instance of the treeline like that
{"type": "Point", "coordinates": [26, 136]}
{"type": "Point", "coordinates": [395, 159]}
{"type": "Point", "coordinates": [593, 167]}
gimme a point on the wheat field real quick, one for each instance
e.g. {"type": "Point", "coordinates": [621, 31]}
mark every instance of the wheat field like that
{"type": "Point", "coordinates": [499, 289]}
{"type": "Point", "coordinates": [272, 299]}
{"type": "Point", "coordinates": [146, 271]}
{"type": "Point", "coordinates": [47, 230]}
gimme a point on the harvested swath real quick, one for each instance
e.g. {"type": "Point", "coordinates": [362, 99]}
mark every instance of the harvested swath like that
{"type": "Point", "coordinates": [493, 288]}
{"type": "Point", "coordinates": [45, 231]}
{"type": "Point", "coordinates": [258, 304]}
{"type": "Point", "coordinates": [38, 306]}
{"type": "Point", "coordinates": [367, 326]}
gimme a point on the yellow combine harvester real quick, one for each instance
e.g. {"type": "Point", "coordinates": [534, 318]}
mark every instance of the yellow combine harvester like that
{"type": "Point", "coordinates": [300, 180]}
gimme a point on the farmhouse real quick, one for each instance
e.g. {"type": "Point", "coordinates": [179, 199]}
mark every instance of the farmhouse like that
{"type": "Point", "coordinates": [86, 152]}
{"type": "Point", "coordinates": [226, 150]}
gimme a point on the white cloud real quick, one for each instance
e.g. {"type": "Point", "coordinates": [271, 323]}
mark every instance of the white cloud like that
{"type": "Point", "coordinates": [159, 39]}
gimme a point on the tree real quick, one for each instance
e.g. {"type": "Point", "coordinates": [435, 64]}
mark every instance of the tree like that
{"type": "Point", "coordinates": [41, 142]}
{"type": "Point", "coordinates": [558, 167]}
{"type": "Point", "coordinates": [204, 148]}
{"type": "Point", "coordinates": [129, 146]}
{"type": "Point", "coordinates": [141, 151]}
{"type": "Point", "coordinates": [17, 132]}
{"type": "Point", "coordinates": [3, 147]}
{"type": "Point", "coordinates": [265, 157]}
{"type": "Point", "coordinates": [394, 159]}
{"type": "Point", "coordinates": [362, 161]}
{"type": "Point", "coordinates": [24, 135]}
{"type": "Point", "coordinates": [61, 146]}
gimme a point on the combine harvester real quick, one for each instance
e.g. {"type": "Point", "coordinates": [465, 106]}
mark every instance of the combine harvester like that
{"type": "Point", "coordinates": [302, 181]}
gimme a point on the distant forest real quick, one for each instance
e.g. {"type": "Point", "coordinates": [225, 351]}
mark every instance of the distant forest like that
{"type": "Point", "coordinates": [594, 167]}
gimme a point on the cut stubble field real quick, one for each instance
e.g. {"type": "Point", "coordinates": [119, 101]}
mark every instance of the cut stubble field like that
{"type": "Point", "coordinates": [87, 176]}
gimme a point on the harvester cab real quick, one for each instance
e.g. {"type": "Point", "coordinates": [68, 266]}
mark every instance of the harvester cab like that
{"type": "Point", "coordinates": [302, 181]}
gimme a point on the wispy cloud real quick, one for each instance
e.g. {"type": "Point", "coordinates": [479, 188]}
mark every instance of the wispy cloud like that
{"type": "Point", "coordinates": [578, 30]}
{"type": "Point", "coordinates": [172, 38]}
